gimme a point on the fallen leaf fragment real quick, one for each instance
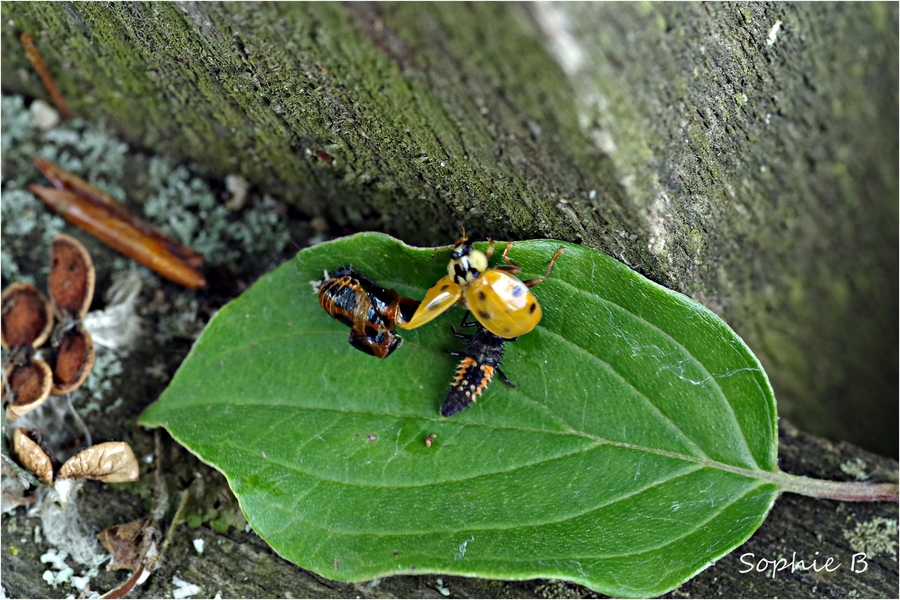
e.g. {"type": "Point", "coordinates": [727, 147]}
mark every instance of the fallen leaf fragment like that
{"type": "Point", "coordinates": [136, 578]}
{"type": "Point", "coordinates": [128, 543]}
{"type": "Point", "coordinates": [37, 61]}
{"type": "Point", "coordinates": [111, 462]}
{"type": "Point", "coordinates": [134, 546]}
{"type": "Point", "coordinates": [121, 235]}
{"type": "Point", "coordinates": [30, 452]}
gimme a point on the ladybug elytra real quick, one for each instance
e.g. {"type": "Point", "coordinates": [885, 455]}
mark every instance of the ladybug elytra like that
{"type": "Point", "coordinates": [502, 303]}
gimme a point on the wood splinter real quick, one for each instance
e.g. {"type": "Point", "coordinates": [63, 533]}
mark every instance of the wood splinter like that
{"type": "Point", "coordinates": [37, 61]}
{"type": "Point", "coordinates": [111, 222]}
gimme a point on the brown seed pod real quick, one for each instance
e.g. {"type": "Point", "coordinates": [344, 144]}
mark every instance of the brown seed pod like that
{"type": "Point", "coordinates": [28, 385]}
{"type": "Point", "coordinates": [72, 277]}
{"type": "Point", "coordinates": [74, 360]}
{"type": "Point", "coordinates": [31, 453]}
{"type": "Point", "coordinates": [111, 462]}
{"type": "Point", "coordinates": [27, 316]}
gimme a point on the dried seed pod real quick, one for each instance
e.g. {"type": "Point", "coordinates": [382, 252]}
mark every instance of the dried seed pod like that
{"type": "Point", "coordinates": [111, 462]}
{"type": "Point", "coordinates": [27, 316]}
{"type": "Point", "coordinates": [28, 386]}
{"type": "Point", "coordinates": [74, 360]}
{"type": "Point", "coordinates": [72, 277]}
{"type": "Point", "coordinates": [31, 453]}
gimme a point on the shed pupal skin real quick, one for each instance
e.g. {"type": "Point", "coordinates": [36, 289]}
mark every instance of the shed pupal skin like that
{"type": "Point", "coordinates": [371, 311]}
{"type": "Point", "coordinates": [481, 359]}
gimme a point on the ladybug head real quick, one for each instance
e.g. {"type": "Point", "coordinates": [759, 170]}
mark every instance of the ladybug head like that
{"type": "Point", "coordinates": [466, 263]}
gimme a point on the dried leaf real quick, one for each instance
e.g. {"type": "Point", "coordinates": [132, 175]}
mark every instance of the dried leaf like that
{"type": "Point", "coordinates": [32, 455]}
{"type": "Point", "coordinates": [120, 235]}
{"type": "Point", "coordinates": [111, 462]}
{"type": "Point", "coordinates": [64, 180]}
{"type": "Point", "coordinates": [37, 61]}
{"type": "Point", "coordinates": [128, 543]}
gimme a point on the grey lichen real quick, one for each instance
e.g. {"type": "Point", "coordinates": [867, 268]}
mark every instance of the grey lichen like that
{"type": "Point", "coordinates": [856, 468]}
{"type": "Point", "coordinates": [185, 205]}
{"type": "Point", "coordinates": [876, 536]}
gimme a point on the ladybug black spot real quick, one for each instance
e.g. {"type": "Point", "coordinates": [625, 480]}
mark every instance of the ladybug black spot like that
{"type": "Point", "coordinates": [532, 308]}
{"type": "Point", "coordinates": [485, 315]}
{"type": "Point", "coordinates": [481, 295]}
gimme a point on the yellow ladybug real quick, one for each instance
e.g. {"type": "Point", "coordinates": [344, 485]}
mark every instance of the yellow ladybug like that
{"type": "Point", "coordinates": [502, 303]}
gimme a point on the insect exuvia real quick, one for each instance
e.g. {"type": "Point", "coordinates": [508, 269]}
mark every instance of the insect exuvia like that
{"type": "Point", "coordinates": [481, 359]}
{"type": "Point", "coordinates": [502, 303]}
{"type": "Point", "coordinates": [371, 311]}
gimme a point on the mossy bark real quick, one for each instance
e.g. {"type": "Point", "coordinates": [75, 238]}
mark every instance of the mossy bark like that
{"type": "Point", "coordinates": [743, 154]}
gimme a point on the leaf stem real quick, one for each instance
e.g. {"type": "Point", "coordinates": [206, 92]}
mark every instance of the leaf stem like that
{"type": "Point", "coordinates": [837, 490]}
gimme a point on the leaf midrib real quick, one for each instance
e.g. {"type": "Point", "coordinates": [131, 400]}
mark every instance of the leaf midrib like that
{"type": "Point", "coordinates": [746, 454]}
{"type": "Point", "coordinates": [745, 451]}
{"type": "Point", "coordinates": [762, 475]}
{"type": "Point", "coordinates": [519, 524]}
{"type": "Point", "coordinates": [721, 393]}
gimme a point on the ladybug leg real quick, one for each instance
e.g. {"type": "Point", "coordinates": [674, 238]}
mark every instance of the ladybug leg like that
{"type": "Point", "coordinates": [533, 282]}
{"type": "Point", "coordinates": [490, 250]}
{"type": "Point", "coordinates": [461, 336]}
{"type": "Point", "coordinates": [465, 322]}
{"type": "Point", "coordinates": [510, 267]}
{"type": "Point", "coordinates": [512, 270]}
{"type": "Point", "coordinates": [504, 378]}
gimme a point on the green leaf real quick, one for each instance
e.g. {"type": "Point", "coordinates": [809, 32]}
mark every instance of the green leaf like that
{"type": "Point", "coordinates": [638, 447]}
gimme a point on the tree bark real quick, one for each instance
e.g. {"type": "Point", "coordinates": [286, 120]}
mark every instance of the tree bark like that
{"type": "Point", "coordinates": [743, 154]}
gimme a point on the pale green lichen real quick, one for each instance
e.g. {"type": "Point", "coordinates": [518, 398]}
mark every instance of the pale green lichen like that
{"type": "Point", "coordinates": [107, 368]}
{"type": "Point", "coordinates": [856, 468]}
{"type": "Point", "coordinates": [174, 197]}
{"type": "Point", "coordinates": [186, 206]}
{"type": "Point", "coordinates": [560, 589]}
{"type": "Point", "coordinates": [876, 536]}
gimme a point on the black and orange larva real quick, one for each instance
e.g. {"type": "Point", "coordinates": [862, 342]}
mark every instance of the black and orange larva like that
{"type": "Point", "coordinates": [481, 359]}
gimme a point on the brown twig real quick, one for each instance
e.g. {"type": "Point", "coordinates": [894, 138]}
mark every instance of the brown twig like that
{"type": "Point", "coordinates": [65, 180]}
{"type": "Point", "coordinates": [37, 61]}
{"type": "Point", "coordinates": [120, 234]}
